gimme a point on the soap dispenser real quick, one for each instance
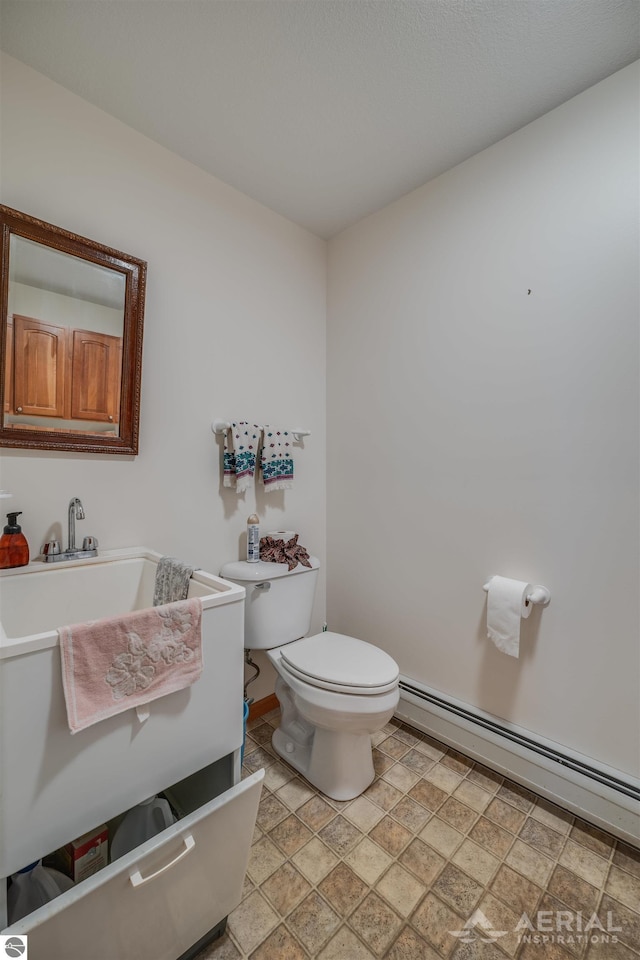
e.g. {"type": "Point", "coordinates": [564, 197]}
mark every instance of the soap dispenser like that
{"type": "Point", "coordinates": [14, 549]}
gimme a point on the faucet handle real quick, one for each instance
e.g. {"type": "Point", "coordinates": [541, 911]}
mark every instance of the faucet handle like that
{"type": "Point", "coordinates": [51, 548]}
{"type": "Point", "coordinates": [90, 543]}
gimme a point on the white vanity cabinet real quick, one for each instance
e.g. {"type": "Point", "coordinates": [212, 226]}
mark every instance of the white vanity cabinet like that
{"type": "Point", "coordinates": [163, 897]}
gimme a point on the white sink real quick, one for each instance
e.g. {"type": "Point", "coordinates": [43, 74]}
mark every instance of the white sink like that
{"type": "Point", "coordinates": [55, 785]}
{"type": "Point", "coordinates": [37, 599]}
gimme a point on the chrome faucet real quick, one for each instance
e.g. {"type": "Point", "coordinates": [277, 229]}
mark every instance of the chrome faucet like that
{"type": "Point", "coordinates": [51, 552]}
{"type": "Point", "coordinates": [76, 512]}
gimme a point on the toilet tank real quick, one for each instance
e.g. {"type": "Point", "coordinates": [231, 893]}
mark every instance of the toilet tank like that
{"type": "Point", "coordinates": [278, 603]}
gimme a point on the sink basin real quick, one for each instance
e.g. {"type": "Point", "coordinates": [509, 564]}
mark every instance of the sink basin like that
{"type": "Point", "coordinates": [57, 786]}
{"type": "Point", "coordinates": [37, 599]}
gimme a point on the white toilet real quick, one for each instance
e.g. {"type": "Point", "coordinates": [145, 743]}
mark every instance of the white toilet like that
{"type": "Point", "coordinates": [334, 690]}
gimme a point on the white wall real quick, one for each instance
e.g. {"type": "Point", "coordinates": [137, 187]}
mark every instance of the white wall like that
{"type": "Point", "coordinates": [234, 329]}
{"type": "Point", "coordinates": [64, 311]}
{"type": "Point", "coordinates": [477, 428]}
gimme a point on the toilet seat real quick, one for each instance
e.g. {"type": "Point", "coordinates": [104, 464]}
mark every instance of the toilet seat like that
{"type": "Point", "coordinates": [333, 661]}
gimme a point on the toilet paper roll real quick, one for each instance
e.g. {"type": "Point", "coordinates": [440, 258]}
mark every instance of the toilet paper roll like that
{"type": "Point", "coordinates": [285, 535]}
{"type": "Point", "coordinates": [506, 607]}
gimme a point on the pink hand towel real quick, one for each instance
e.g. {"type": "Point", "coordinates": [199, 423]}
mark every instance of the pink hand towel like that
{"type": "Point", "coordinates": [111, 665]}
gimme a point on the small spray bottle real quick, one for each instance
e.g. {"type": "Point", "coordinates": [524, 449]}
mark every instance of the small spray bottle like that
{"type": "Point", "coordinates": [253, 539]}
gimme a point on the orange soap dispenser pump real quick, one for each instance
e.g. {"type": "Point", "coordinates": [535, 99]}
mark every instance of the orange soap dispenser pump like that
{"type": "Point", "coordinates": [14, 549]}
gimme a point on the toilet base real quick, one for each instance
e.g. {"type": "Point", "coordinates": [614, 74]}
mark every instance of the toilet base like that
{"type": "Point", "coordinates": [340, 765]}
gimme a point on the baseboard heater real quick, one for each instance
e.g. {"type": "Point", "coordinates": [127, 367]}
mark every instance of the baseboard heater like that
{"type": "Point", "coordinates": [598, 793]}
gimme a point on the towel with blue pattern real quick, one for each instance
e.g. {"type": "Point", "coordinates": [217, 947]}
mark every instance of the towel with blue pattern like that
{"type": "Point", "coordinates": [241, 444]}
{"type": "Point", "coordinates": [277, 459]}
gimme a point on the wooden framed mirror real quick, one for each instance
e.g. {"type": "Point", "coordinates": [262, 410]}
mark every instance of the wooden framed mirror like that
{"type": "Point", "coordinates": [71, 348]}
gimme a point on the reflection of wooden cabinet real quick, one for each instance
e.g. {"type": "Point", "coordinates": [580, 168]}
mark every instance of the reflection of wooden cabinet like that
{"type": "Point", "coordinates": [95, 376]}
{"type": "Point", "coordinates": [61, 372]}
{"type": "Point", "coordinates": [39, 369]}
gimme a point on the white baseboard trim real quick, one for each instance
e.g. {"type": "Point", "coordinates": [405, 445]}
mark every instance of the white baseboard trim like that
{"type": "Point", "coordinates": [605, 797]}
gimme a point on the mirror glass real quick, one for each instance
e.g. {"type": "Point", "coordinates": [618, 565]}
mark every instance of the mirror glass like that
{"type": "Point", "coordinates": [72, 314]}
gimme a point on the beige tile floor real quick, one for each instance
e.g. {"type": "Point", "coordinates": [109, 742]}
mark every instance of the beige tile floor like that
{"type": "Point", "coordinates": [435, 838]}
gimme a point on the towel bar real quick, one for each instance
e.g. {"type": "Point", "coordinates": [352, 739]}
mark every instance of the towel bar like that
{"type": "Point", "coordinates": [539, 594]}
{"type": "Point", "coordinates": [221, 426]}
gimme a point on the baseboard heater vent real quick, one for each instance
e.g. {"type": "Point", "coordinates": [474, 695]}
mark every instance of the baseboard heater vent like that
{"type": "Point", "coordinates": [470, 716]}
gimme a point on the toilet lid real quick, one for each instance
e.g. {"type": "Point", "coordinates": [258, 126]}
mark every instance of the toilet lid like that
{"type": "Point", "coordinates": [341, 661]}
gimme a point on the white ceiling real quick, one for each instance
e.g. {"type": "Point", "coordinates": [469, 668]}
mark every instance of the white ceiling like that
{"type": "Point", "coordinates": [324, 110]}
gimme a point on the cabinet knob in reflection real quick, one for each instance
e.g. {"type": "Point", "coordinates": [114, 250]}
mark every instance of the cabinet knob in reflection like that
{"type": "Point", "coordinates": [18, 409]}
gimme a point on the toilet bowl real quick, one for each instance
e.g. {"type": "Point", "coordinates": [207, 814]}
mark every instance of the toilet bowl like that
{"type": "Point", "coordinates": [326, 722]}
{"type": "Point", "coordinates": [334, 691]}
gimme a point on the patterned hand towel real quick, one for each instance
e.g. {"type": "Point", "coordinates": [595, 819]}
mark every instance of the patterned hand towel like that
{"type": "Point", "coordinates": [277, 459]}
{"type": "Point", "coordinates": [172, 581]}
{"type": "Point", "coordinates": [241, 444]}
{"type": "Point", "coordinates": [112, 665]}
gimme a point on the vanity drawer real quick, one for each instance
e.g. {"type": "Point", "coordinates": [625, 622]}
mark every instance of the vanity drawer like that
{"type": "Point", "coordinates": [161, 898]}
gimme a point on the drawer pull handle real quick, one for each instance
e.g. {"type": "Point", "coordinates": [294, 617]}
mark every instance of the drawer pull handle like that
{"type": "Point", "coordinates": [136, 877]}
